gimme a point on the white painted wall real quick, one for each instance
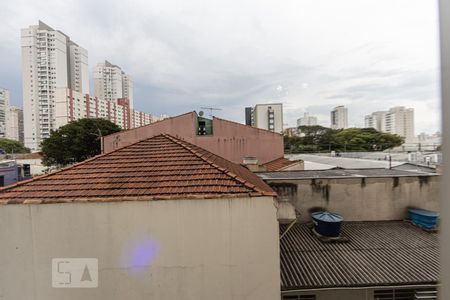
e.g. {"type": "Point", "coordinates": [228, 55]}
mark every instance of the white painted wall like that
{"type": "Point", "coordinates": [208, 249]}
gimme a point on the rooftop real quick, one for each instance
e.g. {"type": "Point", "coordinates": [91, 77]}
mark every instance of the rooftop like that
{"type": "Point", "coordinates": [279, 164]}
{"type": "Point", "coordinates": [378, 253]}
{"type": "Point", "coordinates": [161, 167]}
{"type": "Point", "coordinates": [343, 162]}
{"type": "Point", "coordinates": [340, 173]}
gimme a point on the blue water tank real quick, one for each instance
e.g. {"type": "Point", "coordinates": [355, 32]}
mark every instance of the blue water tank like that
{"type": "Point", "coordinates": [327, 223]}
{"type": "Point", "coordinates": [423, 218]}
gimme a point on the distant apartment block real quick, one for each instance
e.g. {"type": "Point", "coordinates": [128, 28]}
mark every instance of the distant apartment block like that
{"type": "Point", "coordinates": [11, 118]}
{"type": "Point", "coordinates": [4, 109]}
{"type": "Point", "coordinates": [50, 60]}
{"type": "Point", "coordinates": [71, 105]}
{"type": "Point", "coordinates": [307, 120]}
{"type": "Point", "coordinates": [376, 120]}
{"type": "Point", "coordinates": [397, 120]}
{"type": "Point", "coordinates": [339, 117]}
{"type": "Point", "coordinates": [265, 116]}
{"type": "Point", "coordinates": [111, 83]}
{"type": "Point", "coordinates": [14, 125]}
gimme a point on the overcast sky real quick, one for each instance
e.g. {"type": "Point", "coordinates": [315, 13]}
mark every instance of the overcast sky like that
{"type": "Point", "coordinates": [309, 55]}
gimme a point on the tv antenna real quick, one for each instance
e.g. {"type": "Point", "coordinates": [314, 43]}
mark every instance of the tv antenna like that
{"type": "Point", "coordinates": [210, 110]}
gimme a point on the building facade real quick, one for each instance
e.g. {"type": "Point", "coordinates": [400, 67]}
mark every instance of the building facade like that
{"type": "Point", "coordinates": [397, 120]}
{"type": "Point", "coordinates": [14, 125]}
{"type": "Point", "coordinates": [265, 116]}
{"type": "Point", "coordinates": [4, 110]}
{"type": "Point", "coordinates": [400, 120]}
{"type": "Point", "coordinates": [111, 83]}
{"type": "Point", "coordinates": [50, 60]}
{"type": "Point", "coordinates": [339, 117]}
{"type": "Point", "coordinates": [231, 140]}
{"type": "Point", "coordinates": [71, 105]}
{"type": "Point", "coordinates": [376, 120]}
{"type": "Point", "coordinates": [307, 120]}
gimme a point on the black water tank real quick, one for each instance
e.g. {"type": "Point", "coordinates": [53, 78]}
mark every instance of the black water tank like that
{"type": "Point", "coordinates": [327, 223]}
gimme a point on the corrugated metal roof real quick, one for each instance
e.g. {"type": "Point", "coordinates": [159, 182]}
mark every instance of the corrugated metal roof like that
{"type": "Point", "coordinates": [378, 253]}
{"type": "Point", "coordinates": [161, 167]}
{"type": "Point", "coordinates": [344, 162]}
{"type": "Point", "coordinates": [339, 173]}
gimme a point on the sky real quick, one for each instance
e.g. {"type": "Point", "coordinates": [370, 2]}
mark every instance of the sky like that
{"type": "Point", "coordinates": [311, 55]}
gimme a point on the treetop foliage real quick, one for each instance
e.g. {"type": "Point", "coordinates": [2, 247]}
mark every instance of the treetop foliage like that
{"type": "Point", "coordinates": [319, 139]}
{"type": "Point", "coordinates": [76, 141]}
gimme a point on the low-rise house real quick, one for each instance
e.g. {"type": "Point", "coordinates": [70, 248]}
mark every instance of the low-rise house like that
{"type": "Point", "coordinates": [166, 219]}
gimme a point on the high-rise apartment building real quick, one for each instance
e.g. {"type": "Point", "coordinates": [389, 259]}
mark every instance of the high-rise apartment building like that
{"type": "Point", "coordinates": [376, 120]}
{"type": "Point", "coordinates": [14, 125]}
{"type": "Point", "coordinates": [265, 116]}
{"type": "Point", "coordinates": [339, 117]}
{"type": "Point", "coordinates": [4, 109]}
{"type": "Point", "coordinates": [397, 120]}
{"type": "Point", "coordinates": [400, 120]}
{"type": "Point", "coordinates": [111, 83]}
{"type": "Point", "coordinates": [307, 120]}
{"type": "Point", "coordinates": [50, 60]}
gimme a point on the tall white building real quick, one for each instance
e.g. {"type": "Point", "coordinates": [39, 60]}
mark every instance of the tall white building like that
{"type": "Point", "coordinates": [111, 83]}
{"type": "Point", "coordinates": [376, 120]}
{"type": "Point", "coordinates": [307, 120]}
{"type": "Point", "coordinates": [400, 120]}
{"type": "Point", "coordinates": [50, 60]}
{"type": "Point", "coordinates": [4, 110]}
{"type": "Point", "coordinates": [397, 120]}
{"type": "Point", "coordinates": [127, 88]}
{"type": "Point", "coordinates": [14, 125]}
{"type": "Point", "coordinates": [265, 116]}
{"type": "Point", "coordinates": [79, 70]}
{"type": "Point", "coordinates": [339, 117]}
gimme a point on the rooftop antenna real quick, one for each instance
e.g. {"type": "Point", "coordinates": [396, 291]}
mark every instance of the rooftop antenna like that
{"type": "Point", "coordinates": [210, 110]}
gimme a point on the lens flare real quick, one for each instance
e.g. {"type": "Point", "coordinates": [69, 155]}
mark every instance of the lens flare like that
{"type": "Point", "coordinates": [139, 257]}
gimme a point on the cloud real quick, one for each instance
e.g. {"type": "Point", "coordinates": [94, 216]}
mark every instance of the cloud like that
{"type": "Point", "coordinates": [368, 55]}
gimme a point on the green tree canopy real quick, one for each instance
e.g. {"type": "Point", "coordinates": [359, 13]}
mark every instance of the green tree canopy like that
{"type": "Point", "coordinates": [12, 146]}
{"type": "Point", "coordinates": [76, 141]}
{"type": "Point", "coordinates": [318, 138]}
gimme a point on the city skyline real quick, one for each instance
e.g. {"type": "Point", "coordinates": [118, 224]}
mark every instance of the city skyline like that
{"type": "Point", "coordinates": [368, 70]}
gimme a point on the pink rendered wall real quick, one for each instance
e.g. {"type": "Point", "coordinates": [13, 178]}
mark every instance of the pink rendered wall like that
{"type": "Point", "coordinates": [230, 140]}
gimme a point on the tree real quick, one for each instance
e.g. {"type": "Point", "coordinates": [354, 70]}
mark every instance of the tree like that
{"type": "Point", "coordinates": [318, 138]}
{"type": "Point", "coordinates": [12, 146]}
{"type": "Point", "coordinates": [76, 141]}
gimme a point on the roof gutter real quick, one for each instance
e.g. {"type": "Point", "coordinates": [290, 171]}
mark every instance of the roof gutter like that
{"type": "Point", "coordinates": [287, 292]}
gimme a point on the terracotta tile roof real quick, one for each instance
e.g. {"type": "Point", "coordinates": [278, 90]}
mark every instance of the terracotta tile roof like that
{"type": "Point", "coordinates": [161, 167]}
{"type": "Point", "coordinates": [279, 164]}
{"type": "Point", "coordinates": [378, 253]}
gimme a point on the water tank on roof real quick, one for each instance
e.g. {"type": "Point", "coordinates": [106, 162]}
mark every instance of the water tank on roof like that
{"type": "Point", "coordinates": [327, 223]}
{"type": "Point", "coordinates": [423, 218]}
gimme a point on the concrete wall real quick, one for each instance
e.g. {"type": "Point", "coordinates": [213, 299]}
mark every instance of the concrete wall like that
{"type": "Point", "coordinates": [230, 140]}
{"type": "Point", "coordinates": [361, 199]}
{"type": "Point", "coordinates": [205, 249]}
